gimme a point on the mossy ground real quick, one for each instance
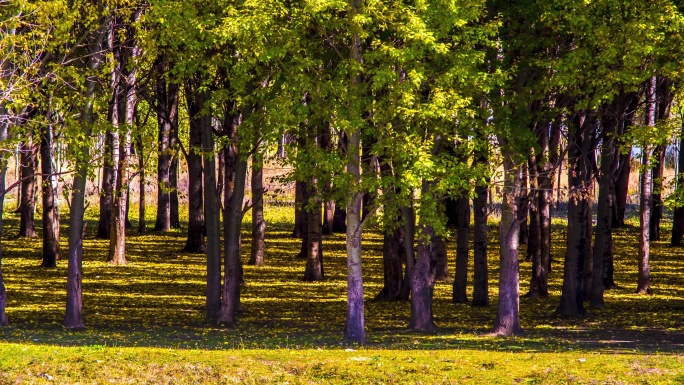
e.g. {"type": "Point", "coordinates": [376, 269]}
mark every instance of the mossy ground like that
{"type": "Point", "coordinates": [146, 320]}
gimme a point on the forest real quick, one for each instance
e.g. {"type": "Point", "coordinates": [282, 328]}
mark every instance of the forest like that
{"type": "Point", "coordinates": [171, 169]}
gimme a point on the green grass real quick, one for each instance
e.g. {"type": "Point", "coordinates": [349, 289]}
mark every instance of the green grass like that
{"type": "Point", "coordinates": [146, 321]}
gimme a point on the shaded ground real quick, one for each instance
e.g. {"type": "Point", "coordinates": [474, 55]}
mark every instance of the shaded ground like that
{"type": "Point", "coordinates": [157, 300]}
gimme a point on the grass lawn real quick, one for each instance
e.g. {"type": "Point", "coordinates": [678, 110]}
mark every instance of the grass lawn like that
{"type": "Point", "coordinates": [146, 321]}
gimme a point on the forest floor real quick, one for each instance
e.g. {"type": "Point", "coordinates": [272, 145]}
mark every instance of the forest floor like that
{"type": "Point", "coordinates": [146, 320]}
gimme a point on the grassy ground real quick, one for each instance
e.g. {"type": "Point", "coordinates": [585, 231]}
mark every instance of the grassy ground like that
{"type": "Point", "coordinates": [146, 322]}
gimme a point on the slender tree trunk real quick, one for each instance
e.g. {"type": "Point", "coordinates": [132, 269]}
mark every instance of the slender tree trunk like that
{"type": "Point", "coordinates": [300, 203]}
{"type": "Point", "coordinates": [73, 319]}
{"type": "Point", "coordinates": [657, 199]}
{"type": "Point", "coordinates": [51, 249]}
{"type": "Point", "coordinates": [423, 281]}
{"type": "Point", "coordinates": [328, 216]}
{"type": "Point", "coordinates": [438, 248]}
{"type": "Point", "coordinates": [480, 268]}
{"type": "Point", "coordinates": [314, 252]}
{"type": "Point", "coordinates": [195, 242]}
{"type": "Point", "coordinates": [678, 216]}
{"type": "Point", "coordinates": [646, 204]}
{"type": "Point", "coordinates": [539, 279]}
{"type": "Point", "coordinates": [463, 225]}
{"type": "Point", "coordinates": [621, 188]}
{"type": "Point", "coordinates": [4, 125]}
{"type": "Point", "coordinates": [392, 253]}
{"type": "Point", "coordinates": [27, 207]}
{"type": "Point", "coordinates": [213, 221]}
{"type": "Point", "coordinates": [234, 185]}
{"type": "Point", "coordinates": [409, 228]}
{"type": "Point", "coordinates": [173, 182]}
{"type": "Point", "coordinates": [603, 216]}
{"type": "Point", "coordinates": [167, 116]}
{"type": "Point", "coordinates": [142, 224]}
{"type": "Point", "coordinates": [507, 320]}
{"type": "Point", "coordinates": [258, 221]}
{"type": "Point", "coordinates": [524, 206]}
{"type": "Point", "coordinates": [339, 219]}
{"type": "Point", "coordinates": [572, 297]}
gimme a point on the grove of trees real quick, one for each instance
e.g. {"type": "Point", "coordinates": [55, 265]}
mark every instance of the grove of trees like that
{"type": "Point", "coordinates": [410, 115]}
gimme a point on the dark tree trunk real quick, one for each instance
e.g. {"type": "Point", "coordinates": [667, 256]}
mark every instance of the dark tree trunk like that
{"type": "Point", "coordinates": [539, 279]}
{"type": "Point", "coordinates": [646, 201]}
{"type": "Point", "coordinates": [173, 194]}
{"type": "Point", "coordinates": [507, 320]}
{"type": "Point", "coordinates": [423, 280]}
{"type": "Point", "coordinates": [111, 156]}
{"type": "Point", "coordinates": [678, 216]}
{"type": "Point", "coordinates": [480, 269]}
{"type": "Point", "coordinates": [4, 124]}
{"type": "Point", "coordinates": [524, 207]}
{"type": "Point", "coordinates": [572, 297]}
{"type": "Point", "coordinates": [300, 203]}
{"type": "Point", "coordinates": [258, 221]}
{"type": "Point", "coordinates": [167, 118]}
{"type": "Point", "coordinates": [314, 251]}
{"type": "Point", "coordinates": [73, 319]}
{"type": "Point", "coordinates": [409, 230]}
{"type": "Point", "coordinates": [195, 241]}
{"type": "Point", "coordinates": [392, 255]}
{"type": "Point", "coordinates": [657, 199]}
{"type": "Point", "coordinates": [235, 177]}
{"type": "Point", "coordinates": [51, 248]}
{"type": "Point", "coordinates": [27, 207]}
{"type": "Point", "coordinates": [463, 227]}
{"type": "Point", "coordinates": [339, 219]}
{"type": "Point", "coordinates": [212, 209]}
{"type": "Point", "coordinates": [604, 218]}
{"type": "Point", "coordinates": [438, 248]}
{"type": "Point", "coordinates": [621, 189]}
{"type": "Point", "coordinates": [328, 216]}
{"type": "Point", "coordinates": [142, 224]}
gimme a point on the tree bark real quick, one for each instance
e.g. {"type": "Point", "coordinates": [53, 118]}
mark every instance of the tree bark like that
{"type": "Point", "coordinates": [328, 215]}
{"type": "Point", "coordinates": [142, 224]}
{"type": "Point", "coordinates": [423, 281]}
{"type": "Point", "coordinates": [539, 279]}
{"type": "Point", "coordinates": [463, 227]}
{"type": "Point", "coordinates": [339, 219]}
{"type": "Point", "coordinates": [258, 221]}
{"type": "Point", "coordinates": [51, 249]}
{"type": "Point", "coordinates": [73, 319]}
{"type": "Point", "coordinates": [658, 170]}
{"type": "Point", "coordinates": [27, 207]}
{"type": "Point", "coordinates": [195, 242]}
{"type": "Point", "coordinates": [213, 221]}
{"type": "Point", "coordinates": [4, 128]}
{"type": "Point", "coordinates": [392, 255]}
{"type": "Point", "coordinates": [678, 215]}
{"type": "Point", "coordinates": [507, 320]}
{"type": "Point", "coordinates": [572, 296]}
{"type": "Point", "coordinates": [314, 252]}
{"type": "Point", "coordinates": [646, 201]}
{"type": "Point", "coordinates": [480, 267]}
{"type": "Point", "coordinates": [167, 118]}
{"type": "Point", "coordinates": [300, 202]}
{"type": "Point", "coordinates": [524, 206]}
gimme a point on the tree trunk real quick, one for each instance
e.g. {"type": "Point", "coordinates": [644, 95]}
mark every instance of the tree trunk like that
{"type": "Point", "coordinates": [480, 268]}
{"type": "Point", "coordinates": [314, 252]}
{"type": "Point", "coordinates": [438, 248]}
{"type": "Point", "coordinates": [572, 297]}
{"type": "Point", "coordinates": [27, 207]}
{"type": "Point", "coordinates": [539, 279]}
{"type": "Point", "coordinates": [507, 320]}
{"type": "Point", "coordinates": [524, 207]}
{"type": "Point", "coordinates": [258, 221]}
{"type": "Point", "coordinates": [173, 181]}
{"type": "Point", "coordinates": [195, 241]}
{"type": "Point", "coordinates": [423, 282]}
{"type": "Point", "coordinates": [658, 170]}
{"type": "Point", "coordinates": [213, 221]}
{"type": "Point", "coordinates": [300, 203]}
{"type": "Point", "coordinates": [392, 255]}
{"type": "Point", "coordinates": [4, 125]}
{"type": "Point", "coordinates": [678, 216]}
{"type": "Point", "coordinates": [51, 248]}
{"type": "Point", "coordinates": [167, 117]}
{"type": "Point", "coordinates": [328, 216]}
{"type": "Point", "coordinates": [646, 201]}
{"type": "Point", "coordinates": [603, 216]}
{"type": "Point", "coordinates": [73, 319]}
{"type": "Point", "coordinates": [339, 219]}
{"type": "Point", "coordinates": [621, 189]}
{"type": "Point", "coordinates": [463, 225]}
{"type": "Point", "coordinates": [409, 229]}
{"type": "Point", "coordinates": [142, 224]}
